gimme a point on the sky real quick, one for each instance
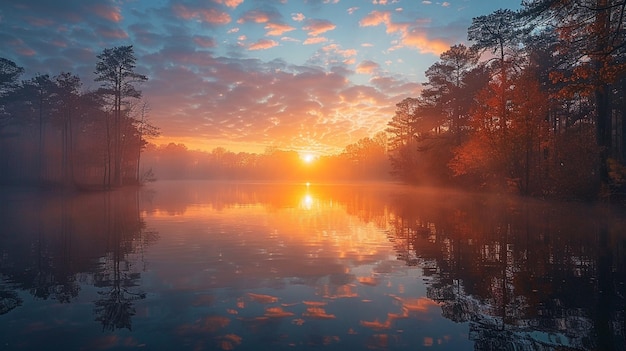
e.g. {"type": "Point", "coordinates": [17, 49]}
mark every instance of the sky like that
{"type": "Point", "coordinates": [306, 75]}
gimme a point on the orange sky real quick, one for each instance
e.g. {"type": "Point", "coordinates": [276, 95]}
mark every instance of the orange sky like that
{"type": "Point", "coordinates": [310, 76]}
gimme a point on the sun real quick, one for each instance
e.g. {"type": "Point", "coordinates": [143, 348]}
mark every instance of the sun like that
{"type": "Point", "coordinates": [308, 158]}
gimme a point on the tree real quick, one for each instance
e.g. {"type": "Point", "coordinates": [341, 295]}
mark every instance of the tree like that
{"type": "Point", "coordinates": [67, 86]}
{"type": "Point", "coordinates": [9, 82]}
{"type": "Point", "coordinates": [402, 140]}
{"type": "Point", "coordinates": [594, 33]}
{"type": "Point", "coordinates": [38, 93]}
{"type": "Point", "coordinates": [144, 129]}
{"type": "Point", "coordinates": [500, 32]}
{"type": "Point", "coordinates": [116, 70]}
{"type": "Point", "coordinates": [447, 87]}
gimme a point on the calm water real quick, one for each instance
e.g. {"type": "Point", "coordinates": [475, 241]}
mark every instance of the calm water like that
{"type": "Point", "coordinates": [214, 266]}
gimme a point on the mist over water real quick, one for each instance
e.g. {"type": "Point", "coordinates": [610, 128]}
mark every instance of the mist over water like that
{"type": "Point", "coordinates": [268, 266]}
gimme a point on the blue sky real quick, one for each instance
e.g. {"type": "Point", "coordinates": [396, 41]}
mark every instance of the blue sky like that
{"type": "Point", "coordinates": [308, 75]}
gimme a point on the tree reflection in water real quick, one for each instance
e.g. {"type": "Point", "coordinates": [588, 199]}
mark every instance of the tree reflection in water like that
{"type": "Point", "coordinates": [519, 275]}
{"type": "Point", "coordinates": [525, 275]}
{"type": "Point", "coordinates": [66, 241]}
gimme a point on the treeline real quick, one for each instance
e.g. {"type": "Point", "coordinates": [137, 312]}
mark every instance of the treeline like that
{"type": "Point", "coordinates": [54, 133]}
{"type": "Point", "coordinates": [537, 104]}
{"type": "Point", "coordinates": [365, 160]}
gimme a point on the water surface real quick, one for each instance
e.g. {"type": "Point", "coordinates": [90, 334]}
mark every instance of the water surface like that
{"type": "Point", "coordinates": [210, 266]}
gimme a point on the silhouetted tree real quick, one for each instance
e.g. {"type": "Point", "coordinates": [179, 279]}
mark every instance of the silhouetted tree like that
{"type": "Point", "coordinates": [68, 90]}
{"type": "Point", "coordinates": [116, 70]}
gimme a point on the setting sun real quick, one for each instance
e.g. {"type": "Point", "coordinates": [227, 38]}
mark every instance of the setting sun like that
{"type": "Point", "coordinates": [308, 158]}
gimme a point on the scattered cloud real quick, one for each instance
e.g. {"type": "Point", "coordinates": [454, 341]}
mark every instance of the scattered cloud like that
{"type": "Point", "coordinates": [209, 74]}
{"type": "Point", "coordinates": [230, 3]}
{"type": "Point", "coordinates": [277, 29]}
{"type": "Point", "coordinates": [258, 16]}
{"type": "Point", "coordinates": [204, 42]}
{"type": "Point", "coordinates": [263, 44]}
{"type": "Point", "coordinates": [412, 35]}
{"type": "Point", "coordinates": [110, 13]}
{"type": "Point", "coordinates": [212, 16]}
{"type": "Point", "coordinates": [315, 27]}
{"type": "Point", "coordinates": [367, 67]}
{"type": "Point", "coordinates": [314, 40]}
{"type": "Point", "coordinates": [298, 17]}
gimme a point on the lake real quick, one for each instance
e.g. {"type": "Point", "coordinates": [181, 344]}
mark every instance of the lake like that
{"type": "Point", "coordinates": [230, 266]}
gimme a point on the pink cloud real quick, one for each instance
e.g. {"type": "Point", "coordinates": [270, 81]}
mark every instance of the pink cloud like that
{"type": "Point", "coordinates": [256, 16]}
{"type": "Point", "coordinates": [367, 67]}
{"type": "Point", "coordinates": [262, 44]}
{"type": "Point", "coordinates": [375, 18]}
{"type": "Point", "coordinates": [211, 16]}
{"type": "Point", "coordinates": [109, 13]}
{"type": "Point", "coordinates": [410, 35]}
{"type": "Point", "coordinates": [230, 3]}
{"type": "Point", "coordinates": [419, 40]}
{"type": "Point", "coordinates": [278, 29]}
{"type": "Point", "coordinates": [334, 48]}
{"type": "Point", "coordinates": [315, 40]}
{"type": "Point", "coordinates": [204, 42]}
{"type": "Point", "coordinates": [316, 27]}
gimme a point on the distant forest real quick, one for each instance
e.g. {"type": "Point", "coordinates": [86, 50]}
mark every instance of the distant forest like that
{"type": "Point", "coordinates": [53, 133]}
{"type": "Point", "coordinates": [536, 105]}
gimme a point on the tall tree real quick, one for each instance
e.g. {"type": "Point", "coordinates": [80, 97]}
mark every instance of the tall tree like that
{"type": "Point", "coordinates": [500, 33]}
{"type": "Point", "coordinates": [116, 70]}
{"type": "Point", "coordinates": [9, 82]}
{"type": "Point", "coordinates": [594, 32]}
{"type": "Point", "coordinates": [39, 92]}
{"type": "Point", "coordinates": [402, 140]}
{"type": "Point", "coordinates": [67, 86]}
{"type": "Point", "coordinates": [447, 86]}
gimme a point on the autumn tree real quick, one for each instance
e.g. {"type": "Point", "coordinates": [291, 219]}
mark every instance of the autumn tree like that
{"type": "Point", "coordinates": [593, 32]}
{"type": "Point", "coordinates": [116, 72]}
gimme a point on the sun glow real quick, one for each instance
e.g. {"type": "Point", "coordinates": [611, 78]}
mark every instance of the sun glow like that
{"type": "Point", "coordinates": [308, 158]}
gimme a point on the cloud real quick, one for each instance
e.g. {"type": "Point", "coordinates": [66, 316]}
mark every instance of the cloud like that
{"type": "Point", "coordinates": [263, 44]}
{"type": "Point", "coordinates": [290, 39]}
{"type": "Point", "coordinates": [112, 33]}
{"type": "Point", "coordinates": [230, 3]}
{"type": "Point", "coordinates": [204, 42]}
{"type": "Point", "coordinates": [278, 29]}
{"type": "Point", "coordinates": [367, 67]}
{"type": "Point", "coordinates": [110, 13]}
{"type": "Point", "coordinates": [258, 16]}
{"type": "Point", "coordinates": [419, 39]}
{"type": "Point", "coordinates": [298, 17]}
{"type": "Point", "coordinates": [314, 40]}
{"type": "Point", "coordinates": [412, 35]}
{"type": "Point", "coordinates": [352, 10]}
{"type": "Point", "coordinates": [315, 27]}
{"type": "Point", "coordinates": [211, 16]}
